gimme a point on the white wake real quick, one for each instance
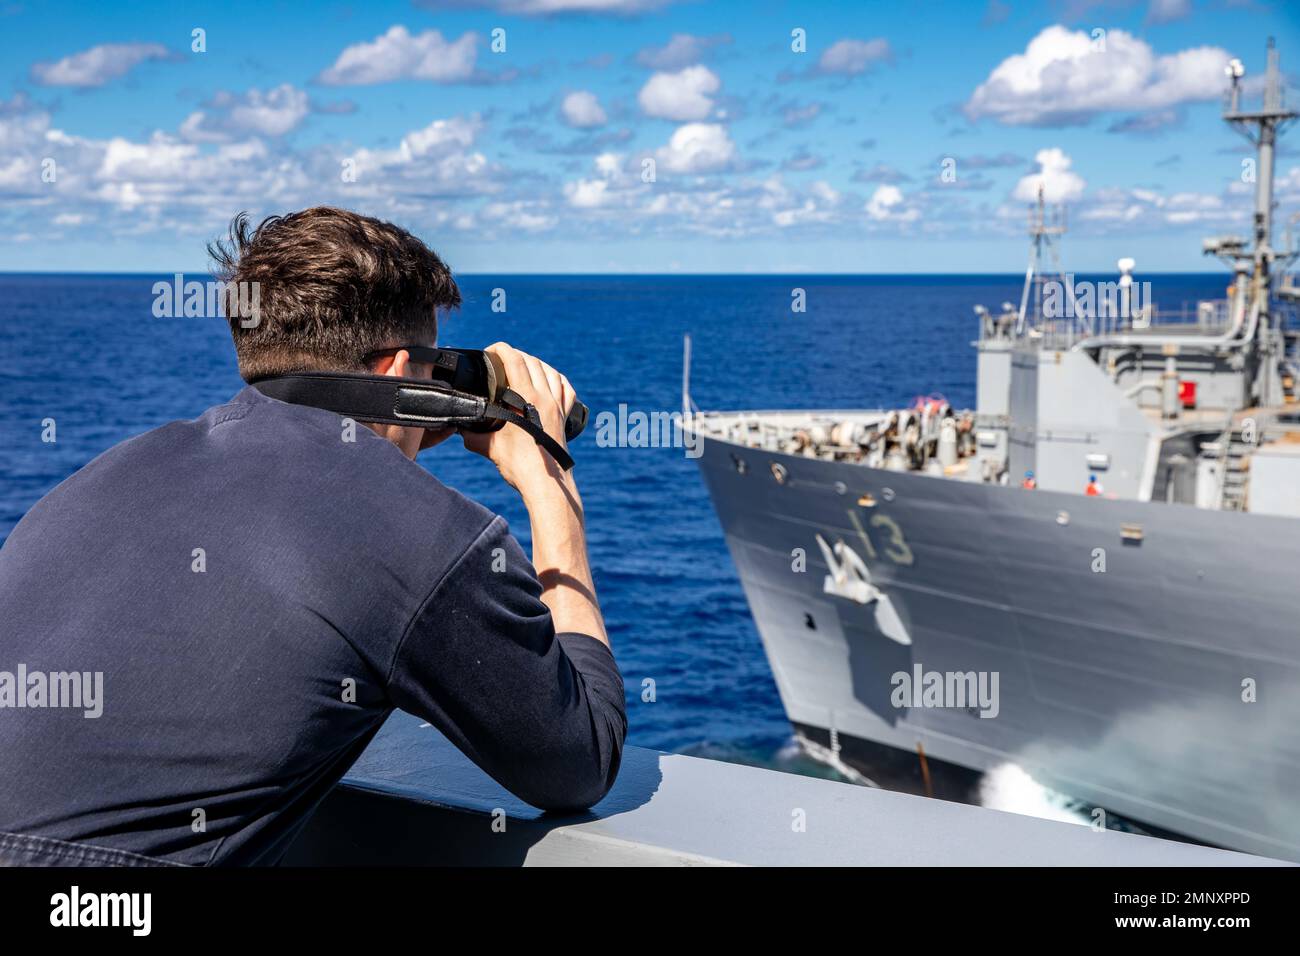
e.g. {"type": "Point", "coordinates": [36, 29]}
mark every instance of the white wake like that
{"type": "Point", "coordinates": [1008, 787]}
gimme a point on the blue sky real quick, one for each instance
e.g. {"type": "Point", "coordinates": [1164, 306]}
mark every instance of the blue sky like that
{"type": "Point", "coordinates": [635, 135]}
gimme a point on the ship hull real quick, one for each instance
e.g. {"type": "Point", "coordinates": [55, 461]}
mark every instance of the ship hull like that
{"type": "Point", "coordinates": [1147, 656]}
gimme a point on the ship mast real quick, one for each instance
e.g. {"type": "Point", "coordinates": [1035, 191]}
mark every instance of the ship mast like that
{"type": "Point", "coordinates": [1043, 232]}
{"type": "Point", "coordinates": [1261, 127]}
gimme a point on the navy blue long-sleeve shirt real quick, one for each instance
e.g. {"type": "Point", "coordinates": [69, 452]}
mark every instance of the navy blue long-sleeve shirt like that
{"type": "Point", "coordinates": [258, 594]}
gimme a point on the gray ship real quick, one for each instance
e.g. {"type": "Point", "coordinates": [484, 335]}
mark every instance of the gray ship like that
{"type": "Point", "coordinates": [1091, 576]}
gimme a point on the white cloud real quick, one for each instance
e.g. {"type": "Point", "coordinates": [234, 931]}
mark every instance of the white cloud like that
{"type": "Point", "coordinates": [273, 113]}
{"type": "Point", "coordinates": [1062, 77]}
{"type": "Point", "coordinates": [680, 96]}
{"type": "Point", "coordinates": [1185, 208]}
{"type": "Point", "coordinates": [400, 55]}
{"type": "Point", "coordinates": [530, 216]}
{"type": "Point", "coordinates": [199, 128]}
{"type": "Point", "coordinates": [98, 65]}
{"type": "Point", "coordinates": [163, 172]}
{"type": "Point", "coordinates": [806, 213]}
{"type": "Point", "coordinates": [697, 148]}
{"type": "Point", "coordinates": [1119, 211]}
{"type": "Point", "coordinates": [159, 158]}
{"type": "Point", "coordinates": [20, 123]}
{"type": "Point", "coordinates": [819, 205]}
{"type": "Point", "coordinates": [186, 191]}
{"type": "Point", "coordinates": [681, 51]}
{"type": "Point", "coordinates": [587, 193]}
{"type": "Point", "coordinates": [851, 57]}
{"type": "Point", "coordinates": [27, 141]}
{"type": "Point", "coordinates": [612, 185]}
{"type": "Point", "coordinates": [825, 192]}
{"type": "Point", "coordinates": [1058, 181]}
{"type": "Point", "coordinates": [886, 203]}
{"type": "Point", "coordinates": [458, 131]}
{"type": "Point", "coordinates": [609, 164]}
{"type": "Point", "coordinates": [436, 157]}
{"type": "Point", "coordinates": [581, 109]}
{"type": "Point", "coordinates": [17, 173]}
{"type": "Point", "coordinates": [1286, 187]}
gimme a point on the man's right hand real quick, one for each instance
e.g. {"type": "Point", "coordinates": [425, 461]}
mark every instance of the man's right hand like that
{"type": "Point", "coordinates": [521, 461]}
{"type": "Point", "coordinates": [550, 493]}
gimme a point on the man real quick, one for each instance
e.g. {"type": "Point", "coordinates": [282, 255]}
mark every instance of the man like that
{"type": "Point", "coordinates": [260, 587]}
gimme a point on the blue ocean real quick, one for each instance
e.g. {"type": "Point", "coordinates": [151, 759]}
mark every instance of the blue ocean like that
{"type": "Point", "coordinates": [88, 352]}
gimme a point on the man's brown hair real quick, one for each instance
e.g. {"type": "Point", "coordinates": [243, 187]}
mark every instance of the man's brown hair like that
{"type": "Point", "coordinates": [333, 286]}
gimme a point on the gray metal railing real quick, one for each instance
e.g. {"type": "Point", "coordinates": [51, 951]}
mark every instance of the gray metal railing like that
{"type": "Point", "coordinates": [413, 799]}
{"type": "Point", "coordinates": [1208, 317]}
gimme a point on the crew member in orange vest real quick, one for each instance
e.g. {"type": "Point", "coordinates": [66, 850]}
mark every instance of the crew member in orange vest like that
{"type": "Point", "coordinates": [1093, 488]}
{"type": "Point", "coordinates": [1029, 481]}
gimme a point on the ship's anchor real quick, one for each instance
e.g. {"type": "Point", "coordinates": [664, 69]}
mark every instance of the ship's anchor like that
{"type": "Point", "coordinates": [850, 578]}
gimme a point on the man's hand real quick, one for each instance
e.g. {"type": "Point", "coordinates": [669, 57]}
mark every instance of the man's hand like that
{"type": "Point", "coordinates": [550, 494]}
{"type": "Point", "coordinates": [524, 464]}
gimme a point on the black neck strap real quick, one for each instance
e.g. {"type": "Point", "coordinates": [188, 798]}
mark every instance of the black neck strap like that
{"type": "Point", "coordinates": [386, 400]}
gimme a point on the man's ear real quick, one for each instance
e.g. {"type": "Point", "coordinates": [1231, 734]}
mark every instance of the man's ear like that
{"type": "Point", "coordinates": [398, 365]}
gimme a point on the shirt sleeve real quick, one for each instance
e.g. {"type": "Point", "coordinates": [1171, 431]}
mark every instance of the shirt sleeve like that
{"type": "Point", "coordinates": [542, 713]}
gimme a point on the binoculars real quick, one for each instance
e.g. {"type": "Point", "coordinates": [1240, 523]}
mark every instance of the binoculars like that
{"type": "Point", "coordinates": [481, 373]}
{"type": "Point", "coordinates": [469, 391]}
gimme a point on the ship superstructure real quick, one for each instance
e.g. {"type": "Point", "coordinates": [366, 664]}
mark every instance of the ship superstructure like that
{"type": "Point", "coordinates": [1108, 544]}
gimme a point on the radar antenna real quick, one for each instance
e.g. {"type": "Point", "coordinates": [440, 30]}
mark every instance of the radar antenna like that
{"type": "Point", "coordinates": [1044, 227]}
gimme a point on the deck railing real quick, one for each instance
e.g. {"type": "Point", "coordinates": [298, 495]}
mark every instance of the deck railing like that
{"type": "Point", "coordinates": [413, 799]}
{"type": "Point", "coordinates": [1209, 317]}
